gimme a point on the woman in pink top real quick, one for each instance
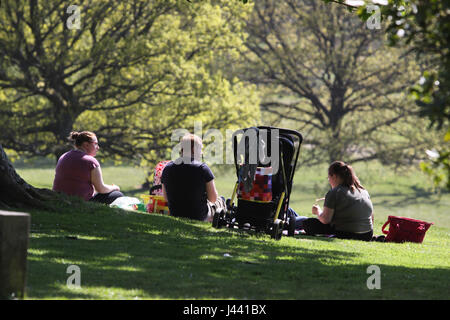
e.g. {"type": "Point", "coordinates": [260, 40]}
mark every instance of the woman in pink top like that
{"type": "Point", "coordinates": [78, 172]}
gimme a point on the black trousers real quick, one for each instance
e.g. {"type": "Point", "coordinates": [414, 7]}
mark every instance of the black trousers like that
{"type": "Point", "coordinates": [107, 198]}
{"type": "Point", "coordinates": [313, 226]}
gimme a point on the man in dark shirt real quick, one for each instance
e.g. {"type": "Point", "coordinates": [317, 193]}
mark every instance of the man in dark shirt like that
{"type": "Point", "coordinates": [188, 183]}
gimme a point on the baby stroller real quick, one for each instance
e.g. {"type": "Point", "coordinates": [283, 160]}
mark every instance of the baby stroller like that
{"type": "Point", "coordinates": [264, 181]}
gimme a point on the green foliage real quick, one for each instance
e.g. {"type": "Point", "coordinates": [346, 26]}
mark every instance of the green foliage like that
{"type": "Point", "coordinates": [424, 26]}
{"type": "Point", "coordinates": [438, 167]}
{"type": "Point", "coordinates": [132, 73]}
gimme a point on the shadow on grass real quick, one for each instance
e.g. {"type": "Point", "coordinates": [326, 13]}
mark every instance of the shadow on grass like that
{"type": "Point", "coordinates": [159, 257]}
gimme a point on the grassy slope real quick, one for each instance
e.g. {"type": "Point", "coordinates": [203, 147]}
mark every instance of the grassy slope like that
{"type": "Point", "coordinates": [127, 255]}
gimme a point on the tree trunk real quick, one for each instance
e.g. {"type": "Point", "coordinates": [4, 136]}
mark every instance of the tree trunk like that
{"type": "Point", "coordinates": [15, 192]}
{"type": "Point", "coordinates": [336, 147]}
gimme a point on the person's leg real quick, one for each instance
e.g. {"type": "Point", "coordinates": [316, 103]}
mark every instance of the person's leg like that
{"type": "Point", "coordinates": [298, 219]}
{"type": "Point", "coordinates": [299, 222]}
{"type": "Point", "coordinates": [107, 198]}
{"type": "Point", "coordinates": [313, 226]}
{"type": "Point", "coordinates": [355, 236]}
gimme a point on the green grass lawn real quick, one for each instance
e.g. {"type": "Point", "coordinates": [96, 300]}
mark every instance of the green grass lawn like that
{"type": "Point", "coordinates": [130, 255]}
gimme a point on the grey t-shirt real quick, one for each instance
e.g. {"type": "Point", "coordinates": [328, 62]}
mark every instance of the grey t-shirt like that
{"type": "Point", "coordinates": [352, 210]}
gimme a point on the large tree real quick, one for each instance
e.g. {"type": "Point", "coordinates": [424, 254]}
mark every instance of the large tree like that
{"type": "Point", "coordinates": [335, 79]}
{"type": "Point", "coordinates": [14, 191]}
{"type": "Point", "coordinates": [132, 71]}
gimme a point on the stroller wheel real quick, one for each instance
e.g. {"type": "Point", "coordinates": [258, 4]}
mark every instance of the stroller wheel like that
{"type": "Point", "coordinates": [277, 229]}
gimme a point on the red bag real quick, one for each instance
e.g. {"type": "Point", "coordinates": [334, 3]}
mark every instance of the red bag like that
{"type": "Point", "coordinates": [403, 229]}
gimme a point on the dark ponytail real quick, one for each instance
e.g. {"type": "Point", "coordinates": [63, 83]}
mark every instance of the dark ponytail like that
{"type": "Point", "coordinates": [346, 173]}
{"type": "Point", "coordinates": [77, 138]}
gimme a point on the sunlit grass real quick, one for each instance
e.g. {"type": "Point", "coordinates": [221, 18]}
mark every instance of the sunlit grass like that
{"type": "Point", "coordinates": [129, 255]}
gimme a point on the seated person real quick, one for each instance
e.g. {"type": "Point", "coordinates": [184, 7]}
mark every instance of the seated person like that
{"type": "Point", "coordinates": [348, 210]}
{"type": "Point", "coordinates": [188, 184]}
{"type": "Point", "coordinates": [78, 172]}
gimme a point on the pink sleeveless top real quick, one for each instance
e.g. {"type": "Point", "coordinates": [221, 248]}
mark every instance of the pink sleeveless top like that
{"type": "Point", "coordinates": [73, 174]}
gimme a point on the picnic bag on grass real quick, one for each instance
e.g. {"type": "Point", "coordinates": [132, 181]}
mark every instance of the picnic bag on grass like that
{"type": "Point", "coordinates": [403, 229]}
{"type": "Point", "coordinates": [155, 203]}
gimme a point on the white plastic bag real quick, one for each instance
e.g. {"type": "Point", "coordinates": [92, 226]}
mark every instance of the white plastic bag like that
{"type": "Point", "coordinates": [125, 203]}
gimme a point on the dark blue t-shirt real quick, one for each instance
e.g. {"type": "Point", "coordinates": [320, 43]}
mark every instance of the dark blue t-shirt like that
{"type": "Point", "coordinates": [185, 186]}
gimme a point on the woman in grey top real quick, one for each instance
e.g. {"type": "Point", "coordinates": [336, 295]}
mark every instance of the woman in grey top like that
{"type": "Point", "coordinates": [347, 212]}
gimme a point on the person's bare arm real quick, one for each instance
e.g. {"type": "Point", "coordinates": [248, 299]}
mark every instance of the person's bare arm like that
{"type": "Point", "coordinates": [211, 191]}
{"type": "Point", "coordinates": [324, 216]}
{"type": "Point", "coordinates": [99, 185]}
